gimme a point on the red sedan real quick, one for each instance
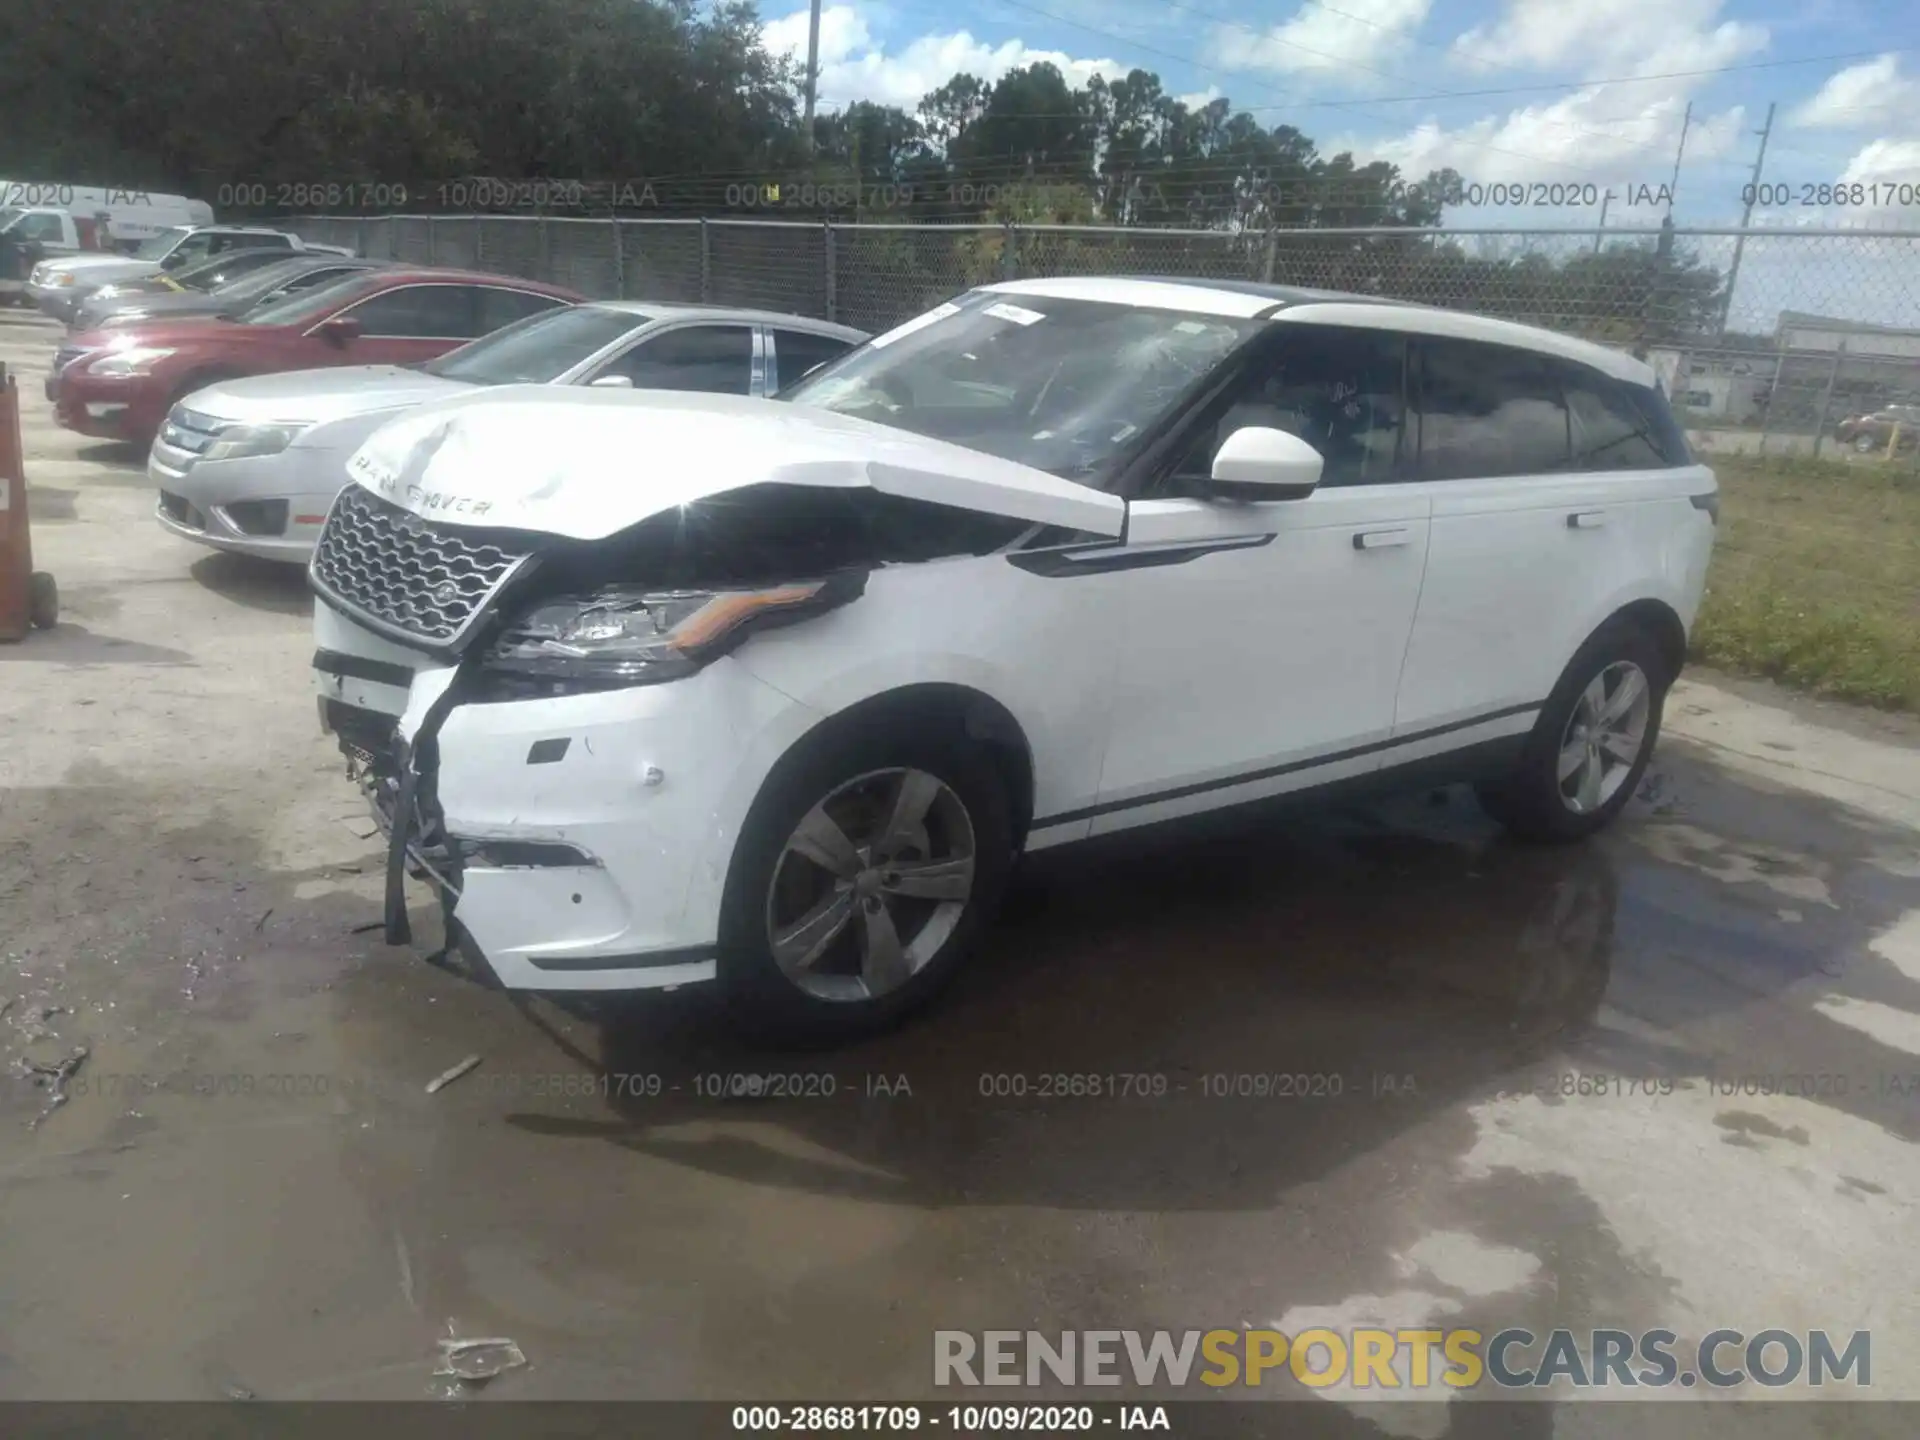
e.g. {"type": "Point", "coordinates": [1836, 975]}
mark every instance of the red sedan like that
{"type": "Point", "coordinates": [118, 384]}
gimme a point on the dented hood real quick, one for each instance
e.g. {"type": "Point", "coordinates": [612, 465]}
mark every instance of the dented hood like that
{"type": "Point", "coordinates": [589, 463]}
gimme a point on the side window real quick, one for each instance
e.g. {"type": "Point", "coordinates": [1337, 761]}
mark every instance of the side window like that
{"type": "Point", "coordinates": [194, 247]}
{"type": "Point", "coordinates": [1609, 432]}
{"type": "Point", "coordinates": [1486, 410]}
{"type": "Point", "coordinates": [1342, 391]}
{"type": "Point", "coordinates": [715, 358]}
{"type": "Point", "coordinates": [795, 352]}
{"type": "Point", "coordinates": [503, 307]}
{"type": "Point", "coordinates": [418, 312]}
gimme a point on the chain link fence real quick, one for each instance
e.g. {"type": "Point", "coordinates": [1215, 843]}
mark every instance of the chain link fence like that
{"type": "Point", "coordinates": [1770, 341]}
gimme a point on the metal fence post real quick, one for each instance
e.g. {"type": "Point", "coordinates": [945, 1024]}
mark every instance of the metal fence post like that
{"type": "Point", "coordinates": [361, 233]}
{"type": "Point", "coordinates": [1009, 254]}
{"type": "Point", "coordinates": [1826, 397]}
{"type": "Point", "coordinates": [544, 263]}
{"type": "Point", "coordinates": [619, 259]}
{"type": "Point", "coordinates": [432, 253]}
{"type": "Point", "coordinates": [706, 264]}
{"type": "Point", "coordinates": [1766, 411]}
{"type": "Point", "coordinates": [833, 270]}
{"type": "Point", "coordinates": [1273, 243]}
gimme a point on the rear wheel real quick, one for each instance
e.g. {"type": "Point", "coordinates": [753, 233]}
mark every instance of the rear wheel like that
{"type": "Point", "coordinates": [1586, 753]}
{"type": "Point", "coordinates": [1864, 444]}
{"type": "Point", "coordinates": [866, 872]}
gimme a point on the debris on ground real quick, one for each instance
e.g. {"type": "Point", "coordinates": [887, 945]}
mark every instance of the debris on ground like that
{"type": "Point", "coordinates": [53, 1077]}
{"type": "Point", "coordinates": [447, 1077]}
{"type": "Point", "coordinates": [478, 1361]}
{"type": "Point", "coordinates": [261, 923]}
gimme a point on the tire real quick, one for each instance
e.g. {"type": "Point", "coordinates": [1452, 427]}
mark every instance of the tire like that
{"type": "Point", "coordinates": [1864, 445]}
{"type": "Point", "coordinates": [1532, 801]}
{"type": "Point", "coordinates": [854, 777]}
{"type": "Point", "coordinates": [43, 601]}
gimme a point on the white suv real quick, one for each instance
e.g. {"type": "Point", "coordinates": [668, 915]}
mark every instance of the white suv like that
{"type": "Point", "coordinates": [775, 692]}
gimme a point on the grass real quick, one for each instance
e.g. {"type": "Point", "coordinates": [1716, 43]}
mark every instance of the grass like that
{"type": "Point", "coordinates": [1816, 578]}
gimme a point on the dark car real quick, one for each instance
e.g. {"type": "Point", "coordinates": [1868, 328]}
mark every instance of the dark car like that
{"type": "Point", "coordinates": [232, 296]}
{"type": "Point", "coordinates": [1876, 430]}
{"type": "Point", "coordinates": [199, 278]}
{"type": "Point", "coordinates": [117, 383]}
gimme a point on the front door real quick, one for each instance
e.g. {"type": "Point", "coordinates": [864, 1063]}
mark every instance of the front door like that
{"type": "Point", "coordinates": [1262, 643]}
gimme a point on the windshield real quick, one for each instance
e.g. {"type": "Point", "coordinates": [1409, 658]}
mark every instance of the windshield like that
{"type": "Point", "coordinates": [160, 246]}
{"type": "Point", "coordinates": [538, 349]}
{"type": "Point", "coordinates": [1061, 385]}
{"type": "Point", "coordinates": [308, 305]}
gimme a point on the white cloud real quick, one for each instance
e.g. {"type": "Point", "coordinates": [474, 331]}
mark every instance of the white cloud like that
{"type": "Point", "coordinates": [855, 66]}
{"type": "Point", "coordinates": [1623, 37]}
{"type": "Point", "coordinates": [1885, 160]}
{"type": "Point", "coordinates": [1610, 135]}
{"type": "Point", "coordinates": [1200, 99]}
{"type": "Point", "coordinates": [1360, 33]}
{"type": "Point", "coordinates": [1852, 97]}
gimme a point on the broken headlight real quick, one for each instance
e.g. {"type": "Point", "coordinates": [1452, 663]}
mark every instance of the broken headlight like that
{"type": "Point", "coordinates": [624, 637]}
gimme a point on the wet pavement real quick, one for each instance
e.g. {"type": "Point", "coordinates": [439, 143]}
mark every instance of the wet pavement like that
{"type": "Point", "coordinates": [1327, 1072]}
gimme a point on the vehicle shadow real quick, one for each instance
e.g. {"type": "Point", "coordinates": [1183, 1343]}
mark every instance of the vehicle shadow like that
{"type": "Point", "coordinates": [1198, 1026]}
{"type": "Point", "coordinates": [1209, 1025]}
{"type": "Point", "coordinates": [75, 645]}
{"type": "Point", "coordinates": [260, 584]}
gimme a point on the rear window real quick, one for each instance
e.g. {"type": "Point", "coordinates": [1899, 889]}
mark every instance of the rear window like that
{"type": "Point", "coordinates": [1610, 432]}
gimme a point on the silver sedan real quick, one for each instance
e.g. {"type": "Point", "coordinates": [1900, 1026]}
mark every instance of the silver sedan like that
{"type": "Point", "coordinates": [252, 465]}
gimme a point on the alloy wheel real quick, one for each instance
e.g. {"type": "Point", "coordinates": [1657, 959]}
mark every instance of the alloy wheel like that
{"type": "Point", "coordinates": [1604, 737]}
{"type": "Point", "coordinates": [870, 885]}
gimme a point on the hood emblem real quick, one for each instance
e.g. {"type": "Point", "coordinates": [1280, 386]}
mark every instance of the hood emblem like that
{"type": "Point", "coordinates": [445, 593]}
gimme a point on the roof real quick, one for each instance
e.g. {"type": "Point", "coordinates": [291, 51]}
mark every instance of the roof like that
{"type": "Point", "coordinates": [1250, 300]}
{"type": "Point", "coordinates": [669, 310]}
{"type": "Point", "coordinates": [413, 274]}
{"type": "Point", "coordinates": [1801, 320]}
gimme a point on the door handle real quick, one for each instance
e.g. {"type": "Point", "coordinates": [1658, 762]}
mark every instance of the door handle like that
{"type": "Point", "coordinates": [1586, 519]}
{"type": "Point", "coordinates": [1380, 539]}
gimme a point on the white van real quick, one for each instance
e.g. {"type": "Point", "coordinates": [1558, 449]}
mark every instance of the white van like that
{"type": "Point", "coordinates": [132, 215]}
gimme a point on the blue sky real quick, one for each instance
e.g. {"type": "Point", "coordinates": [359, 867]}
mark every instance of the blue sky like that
{"type": "Point", "coordinates": [1591, 94]}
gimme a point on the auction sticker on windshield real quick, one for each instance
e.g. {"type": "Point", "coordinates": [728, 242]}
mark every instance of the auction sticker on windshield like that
{"type": "Point", "coordinates": [919, 322]}
{"type": "Point", "coordinates": [1000, 310]}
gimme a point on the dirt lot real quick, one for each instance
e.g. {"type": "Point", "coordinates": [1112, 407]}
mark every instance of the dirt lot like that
{"type": "Point", "coordinates": [249, 1190]}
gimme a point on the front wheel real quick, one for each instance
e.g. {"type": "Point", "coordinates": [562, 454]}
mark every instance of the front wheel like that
{"type": "Point", "coordinates": [864, 875]}
{"type": "Point", "coordinates": [1585, 756]}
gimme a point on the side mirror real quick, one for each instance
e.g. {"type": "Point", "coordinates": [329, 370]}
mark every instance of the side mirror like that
{"type": "Point", "coordinates": [339, 330]}
{"type": "Point", "coordinates": [613, 382]}
{"type": "Point", "coordinates": [1258, 464]}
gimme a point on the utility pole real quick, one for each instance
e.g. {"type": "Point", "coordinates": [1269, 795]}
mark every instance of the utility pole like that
{"type": "Point", "coordinates": [813, 74]}
{"type": "Point", "coordinates": [1746, 218]}
{"type": "Point", "coordinates": [1686, 124]}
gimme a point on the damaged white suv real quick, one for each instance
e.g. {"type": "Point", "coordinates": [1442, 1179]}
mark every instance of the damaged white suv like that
{"type": "Point", "coordinates": [775, 692]}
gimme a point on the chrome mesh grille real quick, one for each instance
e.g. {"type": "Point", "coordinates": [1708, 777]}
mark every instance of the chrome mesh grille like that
{"type": "Point", "coordinates": [189, 430]}
{"type": "Point", "coordinates": [410, 576]}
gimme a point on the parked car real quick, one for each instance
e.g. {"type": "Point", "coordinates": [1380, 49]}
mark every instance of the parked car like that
{"type": "Point", "coordinates": [197, 278]}
{"type": "Point", "coordinates": [54, 284]}
{"type": "Point", "coordinates": [1875, 431]}
{"type": "Point", "coordinates": [252, 465]}
{"type": "Point", "coordinates": [119, 383]}
{"type": "Point", "coordinates": [53, 222]}
{"type": "Point", "coordinates": [664, 688]}
{"type": "Point", "coordinates": [231, 299]}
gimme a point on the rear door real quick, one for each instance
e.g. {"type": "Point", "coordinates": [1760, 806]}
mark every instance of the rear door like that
{"type": "Point", "coordinates": [1537, 473]}
{"type": "Point", "coordinates": [718, 359]}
